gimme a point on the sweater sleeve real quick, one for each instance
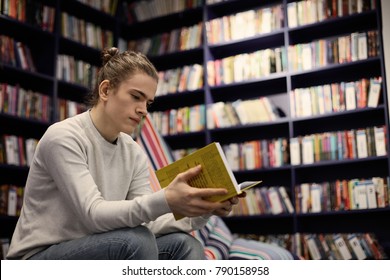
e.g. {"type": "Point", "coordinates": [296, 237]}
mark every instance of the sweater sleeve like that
{"type": "Point", "coordinates": [64, 157]}
{"type": "Point", "coordinates": [167, 224]}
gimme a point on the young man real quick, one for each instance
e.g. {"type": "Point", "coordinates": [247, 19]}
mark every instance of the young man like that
{"type": "Point", "coordinates": [88, 196]}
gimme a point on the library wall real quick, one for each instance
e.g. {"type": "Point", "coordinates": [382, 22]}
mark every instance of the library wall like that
{"type": "Point", "coordinates": [67, 91]}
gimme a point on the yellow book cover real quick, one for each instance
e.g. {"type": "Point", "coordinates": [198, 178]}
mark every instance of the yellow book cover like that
{"type": "Point", "coordinates": [216, 172]}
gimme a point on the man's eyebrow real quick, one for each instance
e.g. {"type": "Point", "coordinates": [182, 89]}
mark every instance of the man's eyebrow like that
{"type": "Point", "coordinates": [144, 95]}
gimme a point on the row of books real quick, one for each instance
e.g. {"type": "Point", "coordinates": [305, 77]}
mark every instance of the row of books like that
{"type": "Point", "coordinates": [106, 6]}
{"type": "Point", "coordinates": [311, 11]}
{"type": "Point", "coordinates": [329, 246]}
{"type": "Point", "coordinates": [32, 12]}
{"type": "Point", "coordinates": [339, 195]}
{"type": "Point", "coordinates": [16, 150]}
{"type": "Point", "coordinates": [339, 145]}
{"type": "Point", "coordinates": [181, 39]}
{"type": "Point", "coordinates": [352, 246]}
{"type": "Point", "coordinates": [265, 200]}
{"type": "Point", "coordinates": [335, 97]}
{"type": "Point", "coordinates": [11, 199]}
{"type": "Point", "coordinates": [307, 56]}
{"type": "Point", "coordinates": [306, 149]}
{"type": "Point", "coordinates": [85, 33]}
{"type": "Point", "coordinates": [342, 194]}
{"type": "Point", "coordinates": [353, 47]}
{"type": "Point", "coordinates": [265, 153]}
{"type": "Point", "coordinates": [246, 66]}
{"type": "Point", "coordinates": [244, 24]}
{"type": "Point", "coordinates": [24, 103]}
{"type": "Point", "coordinates": [241, 112]}
{"type": "Point", "coordinates": [137, 11]}
{"type": "Point", "coordinates": [72, 70]}
{"type": "Point", "coordinates": [16, 54]}
{"type": "Point", "coordinates": [304, 102]}
{"type": "Point", "coordinates": [69, 108]}
{"type": "Point", "coordinates": [180, 120]}
{"type": "Point", "coordinates": [180, 153]}
{"type": "Point", "coordinates": [257, 154]}
{"type": "Point", "coordinates": [186, 78]}
{"type": "Point", "coordinates": [250, 155]}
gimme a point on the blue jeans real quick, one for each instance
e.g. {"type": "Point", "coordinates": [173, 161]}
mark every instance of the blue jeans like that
{"type": "Point", "coordinates": [126, 244]}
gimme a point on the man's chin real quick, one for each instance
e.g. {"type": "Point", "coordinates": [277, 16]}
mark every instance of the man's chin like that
{"type": "Point", "coordinates": [129, 130]}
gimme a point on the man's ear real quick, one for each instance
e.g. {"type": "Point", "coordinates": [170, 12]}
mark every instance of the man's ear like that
{"type": "Point", "coordinates": [103, 89]}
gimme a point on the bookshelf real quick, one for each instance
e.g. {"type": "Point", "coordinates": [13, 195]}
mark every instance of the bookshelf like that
{"type": "Point", "coordinates": [39, 26]}
{"type": "Point", "coordinates": [276, 85]}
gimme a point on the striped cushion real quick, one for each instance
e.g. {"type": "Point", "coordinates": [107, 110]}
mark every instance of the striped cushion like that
{"type": "Point", "coordinates": [154, 145]}
{"type": "Point", "coordinates": [203, 234]}
{"type": "Point", "coordinates": [219, 240]}
{"type": "Point", "coordinates": [158, 152]}
{"type": "Point", "coordinates": [216, 239]}
{"type": "Point", "coordinates": [245, 249]}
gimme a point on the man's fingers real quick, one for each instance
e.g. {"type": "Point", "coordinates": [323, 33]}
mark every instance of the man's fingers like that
{"type": "Point", "coordinates": [187, 175]}
{"type": "Point", "coordinates": [234, 200]}
{"type": "Point", "coordinates": [200, 192]}
{"type": "Point", "coordinates": [207, 192]}
{"type": "Point", "coordinates": [205, 205]}
{"type": "Point", "coordinates": [243, 194]}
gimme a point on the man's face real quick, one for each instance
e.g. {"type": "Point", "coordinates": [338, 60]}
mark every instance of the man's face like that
{"type": "Point", "coordinates": [126, 107]}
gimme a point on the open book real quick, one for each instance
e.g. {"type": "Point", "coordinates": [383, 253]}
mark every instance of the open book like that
{"type": "Point", "coordinates": [216, 172]}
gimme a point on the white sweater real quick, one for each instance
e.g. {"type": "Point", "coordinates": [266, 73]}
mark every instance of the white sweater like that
{"type": "Point", "coordinates": [80, 184]}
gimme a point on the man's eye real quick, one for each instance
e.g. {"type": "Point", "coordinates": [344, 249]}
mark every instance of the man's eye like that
{"type": "Point", "coordinates": [136, 97]}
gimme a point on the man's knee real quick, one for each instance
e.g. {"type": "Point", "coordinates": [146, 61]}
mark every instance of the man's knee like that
{"type": "Point", "coordinates": [134, 243]}
{"type": "Point", "coordinates": [194, 247]}
{"type": "Point", "coordinates": [189, 240]}
{"type": "Point", "coordinates": [180, 246]}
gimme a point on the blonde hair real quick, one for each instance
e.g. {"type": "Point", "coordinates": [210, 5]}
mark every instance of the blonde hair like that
{"type": "Point", "coordinates": [117, 67]}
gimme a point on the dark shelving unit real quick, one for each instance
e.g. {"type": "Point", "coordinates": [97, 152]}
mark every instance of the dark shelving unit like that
{"type": "Point", "coordinates": [45, 46]}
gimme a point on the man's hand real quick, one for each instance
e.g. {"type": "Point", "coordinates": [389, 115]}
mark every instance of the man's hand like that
{"type": "Point", "coordinates": [227, 209]}
{"type": "Point", "coordinates": [191, 202]}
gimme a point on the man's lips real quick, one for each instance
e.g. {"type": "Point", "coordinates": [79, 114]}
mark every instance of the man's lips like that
{"type": "Point", "coordinates": [135, 120]}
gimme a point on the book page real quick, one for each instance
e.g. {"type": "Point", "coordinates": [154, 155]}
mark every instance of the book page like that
{"type": "Point", "coordinates": [247, 185]}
